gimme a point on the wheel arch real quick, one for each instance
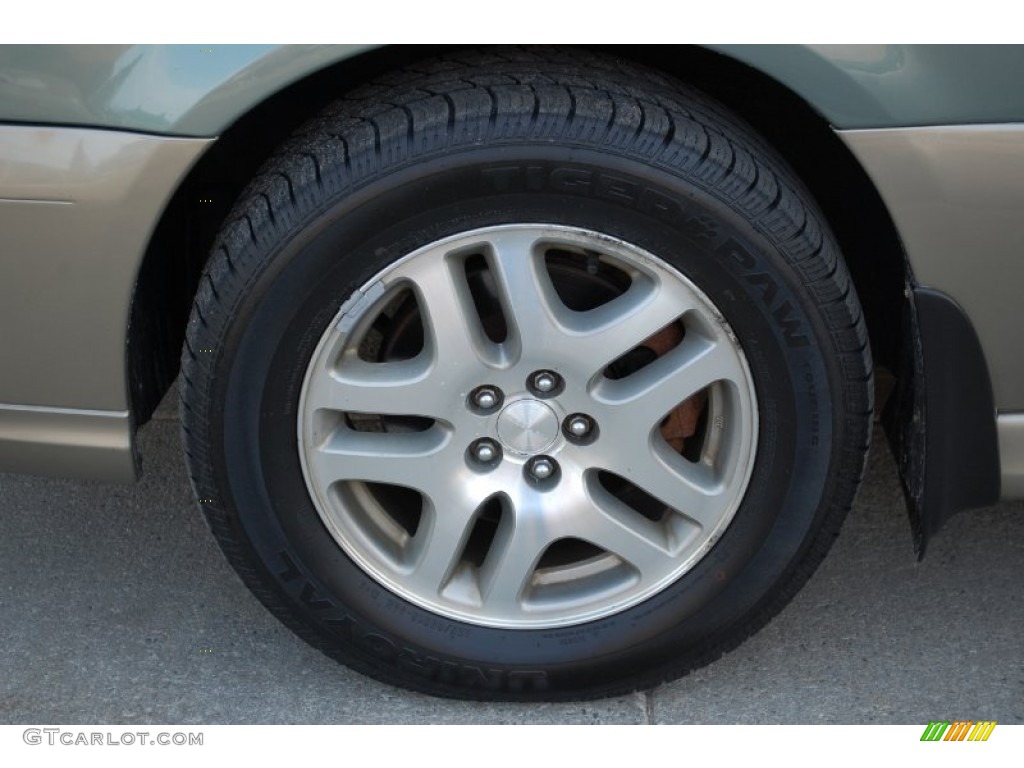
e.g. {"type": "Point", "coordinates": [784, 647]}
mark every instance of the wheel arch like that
{"type": "Point", "coordinates": [799, 132]}
{"type": "Point", "coordinates": [934, 366]}
{"type": "Point", "coordinates": [803, 136]}
{"type": "Point", "coordinates": [936, 371]}
{"type": "Point", "coordinates": [170, 269]}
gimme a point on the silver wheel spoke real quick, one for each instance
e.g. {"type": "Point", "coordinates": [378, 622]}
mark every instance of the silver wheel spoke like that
{"type": "Point", "coordinates": [407, 460]}
{"type": "Point", "coordinates": [454, 336]}
{"type": "Point", "coordinates": [441, 541]}
{"type": "Point", "coordinates": [527, 295]}
{"type": "Point", "coordinates": [620, 530]}
{"type": "Point", "coordinates": [645, 397]}
{"type": "Point", "coordinates": [400, 388]}
{"type": "Point", "coordinates": [592, 338]}
{"type": "Point", "coordinates": [603, 334]}
{"type": "Point", "coordinates": [690, 489]}
{"type": "Point", "coordinates": [514, 554]}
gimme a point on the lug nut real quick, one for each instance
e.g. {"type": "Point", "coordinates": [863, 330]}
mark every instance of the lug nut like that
{"type": "Point", "coordinates": [545, 381]}
{"type": "Point", "coordinates": [542, 468]}
{"type": "Point", "coordinates": [485, 398]}
{"type": "Point", "coordinates": [579, 426]}
{"type": "Point", "coordinates": [485, 450]}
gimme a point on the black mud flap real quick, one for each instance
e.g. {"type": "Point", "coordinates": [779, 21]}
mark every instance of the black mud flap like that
{"type": "Point", "coordinates": [941, 422]}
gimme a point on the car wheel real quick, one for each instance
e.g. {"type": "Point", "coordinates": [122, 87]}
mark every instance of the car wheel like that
{"type": "Point", "coordinates": [525, 374]}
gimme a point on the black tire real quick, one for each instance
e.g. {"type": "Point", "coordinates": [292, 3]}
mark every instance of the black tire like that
{"type": "Point", "coordinates": [557, 138]}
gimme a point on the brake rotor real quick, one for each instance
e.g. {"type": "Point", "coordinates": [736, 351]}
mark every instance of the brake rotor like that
{"type": "Point", "coordinates": [681, 422]}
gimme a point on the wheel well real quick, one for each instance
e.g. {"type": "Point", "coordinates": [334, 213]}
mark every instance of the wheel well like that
{"type": "Point", "coordinates": [851, 204]}
{"type": "Point", "coordinates": [181, 242]}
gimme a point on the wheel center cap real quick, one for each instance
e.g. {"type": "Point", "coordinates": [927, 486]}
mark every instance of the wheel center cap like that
{"type": "Point", "coordinates": [527, 426]}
